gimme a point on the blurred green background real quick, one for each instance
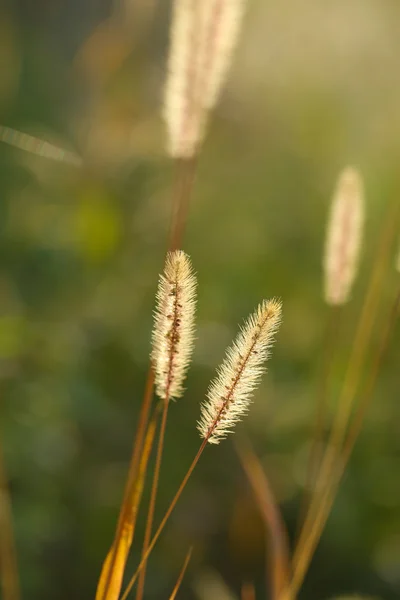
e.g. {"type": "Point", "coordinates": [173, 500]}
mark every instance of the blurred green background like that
{"type": "Point", "coordinates": [314, 86]}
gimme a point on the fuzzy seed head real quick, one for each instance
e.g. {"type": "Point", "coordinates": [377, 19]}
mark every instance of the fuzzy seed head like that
{"type": "Point", "coordinates": [203, 36]}
{"type": "Point", "coordinates": [221, 25]}
{"type": "Point", "coordinates": [183, 116]}
{"type": "Point", "coordinates": [344, 237]}
{"type": "Point", "coordinates": [230, 393]}
{"type": "Point", "coordinates": [173, 333]}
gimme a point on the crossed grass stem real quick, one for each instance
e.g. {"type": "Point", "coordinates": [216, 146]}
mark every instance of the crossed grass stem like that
{"type": "Point", "coordinates": [153, 495]}
{"type": "Point", "coordinates": [338, 433]}
{"type": "Point", "coordinates": [259, 335]}
{"type": "Point", "coordinates": [339, 445]}
{"type": "Point", "coordinates": [184, 177]}
{"type": "Point", "coordinates": [357, 358]}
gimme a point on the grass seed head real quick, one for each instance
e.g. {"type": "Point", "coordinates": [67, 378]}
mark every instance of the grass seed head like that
{"type": "Point", "coordinates": [230, 393]}
{"type": "Point", "coordinates": [173, 333]}
{"type": "Point", "coordinates": [344, 237]}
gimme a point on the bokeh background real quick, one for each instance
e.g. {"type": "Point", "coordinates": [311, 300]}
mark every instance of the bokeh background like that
{"type": "Point", "coordinates": [314, 86]}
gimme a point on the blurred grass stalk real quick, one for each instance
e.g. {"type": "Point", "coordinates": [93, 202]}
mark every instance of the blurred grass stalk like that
{"type": "Point", "coordinates": [278, 568]}
{"type": "Point", "coordinates": [343, 244]}
{"type": "Point", "coordinates": [339, 446]}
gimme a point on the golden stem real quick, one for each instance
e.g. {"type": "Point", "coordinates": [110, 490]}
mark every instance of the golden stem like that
{"type": "Point", "coordinates": [153, 497]}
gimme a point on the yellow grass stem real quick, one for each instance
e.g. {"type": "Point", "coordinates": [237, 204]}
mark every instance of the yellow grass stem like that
{"type": "Point", "coordinates": [153, 497]}
{"type": "Point", "coordinates": [112, 573]}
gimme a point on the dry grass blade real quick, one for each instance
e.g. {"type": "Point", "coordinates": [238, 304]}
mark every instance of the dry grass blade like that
{"type": "Point", "coordinates": [276, 530]}
{"type": "Point", "coordinates": [181, 574]}
{"type": "Point", "coordinates": [112, 573]}
{"type": "Point", "coordinates": [8, 559]}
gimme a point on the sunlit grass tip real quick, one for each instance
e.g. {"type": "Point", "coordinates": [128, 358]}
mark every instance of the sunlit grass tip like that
{"type": "Point", "coordinates": [344, 236]}
{"type": "Point", "coordinates": [173, 333]}
{"type": "Point", "coordinates": [230, 393]}
{"type": "Point", "coordinates": [203, 35]}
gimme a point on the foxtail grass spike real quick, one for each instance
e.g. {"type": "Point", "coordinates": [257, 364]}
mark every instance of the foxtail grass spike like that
{"type": "Point", "coordinates": [222, 20]}
{"type": "Point", "coordinates": [173, 333]}
{"type": "Point", "coordinates": [230, 393]}
{"type": "Point", "coordinates": [203, 35]}
{"type": "Point", "coordinates": [344, 237]}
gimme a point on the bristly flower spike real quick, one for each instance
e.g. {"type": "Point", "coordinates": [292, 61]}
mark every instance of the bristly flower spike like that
{"type": "Point", "coordinates": [173, 333]}
{"type": "Point", "coordinates": [344, 237]}
{"type": "Point", "coordinates": [203, 36]}
{"type": "Point", "coordinates": [230, 393]}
